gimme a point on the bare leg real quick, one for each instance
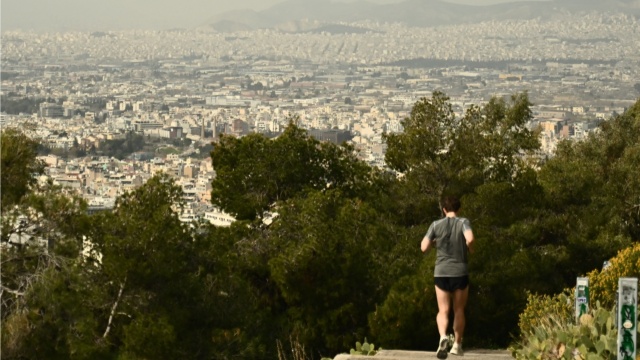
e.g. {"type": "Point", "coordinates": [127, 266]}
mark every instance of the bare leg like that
{"type": "Point", "coordinates": [459, 302]}
{"type": "Point", "coordinates": [444, 305]}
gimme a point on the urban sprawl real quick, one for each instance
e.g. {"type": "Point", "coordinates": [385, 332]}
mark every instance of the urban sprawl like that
{"type": "Point", "coordinates": [179, 90]}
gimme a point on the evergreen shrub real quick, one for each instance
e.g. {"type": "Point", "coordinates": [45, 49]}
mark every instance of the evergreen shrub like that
{"type": "Point", "coordinates": [541, 307]}
{"type": "Point", "coordinates": [547, 325]}
{"type": "Point", "coordinates": [603, 285]}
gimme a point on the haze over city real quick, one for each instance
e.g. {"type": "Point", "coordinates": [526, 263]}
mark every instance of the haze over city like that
{"type": "Point", "coordinates": [139, 14]}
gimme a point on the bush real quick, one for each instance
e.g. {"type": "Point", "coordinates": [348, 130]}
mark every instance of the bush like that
{"type": "Point", "coordinates": [595, 337]}
{"type": "Point", "coordinates": [541, 307]}
{"type": "Point", "coordinates": [547, 324]}
{"type": "Point", "coordinates": [408, 315]}
{"type": "Point", "coordinates": [603, 285]}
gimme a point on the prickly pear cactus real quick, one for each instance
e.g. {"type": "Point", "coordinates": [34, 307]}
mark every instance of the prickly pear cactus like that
{"type": "Point", "coordinates": [364, 348]}
{"type": "Point", "coordinates": [595, 337]}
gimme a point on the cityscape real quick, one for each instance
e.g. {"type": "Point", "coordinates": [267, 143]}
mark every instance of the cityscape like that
{"type": "Point", "coordinates": [180, 89]}
{"type": "Point", "coordinates": [319, 179]}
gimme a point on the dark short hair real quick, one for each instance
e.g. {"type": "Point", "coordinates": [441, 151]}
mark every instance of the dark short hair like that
{"type": "Point", "coordinates": [450, 203]}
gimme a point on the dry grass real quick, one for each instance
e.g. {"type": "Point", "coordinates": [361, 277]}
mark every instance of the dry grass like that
{"type": "Point", "coordinates": [297, 351]}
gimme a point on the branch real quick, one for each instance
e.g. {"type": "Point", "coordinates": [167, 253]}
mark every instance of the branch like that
{"type": "Point", "coordinates": [113, 309]}
{"type": "Point", "coordinates": [14, 292]}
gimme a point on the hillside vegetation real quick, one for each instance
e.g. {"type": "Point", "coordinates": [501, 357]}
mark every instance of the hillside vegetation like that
{"type": "Point", "coordinates": [339, 262]}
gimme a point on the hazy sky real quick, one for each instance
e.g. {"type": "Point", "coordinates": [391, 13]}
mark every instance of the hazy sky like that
{"type": "Point", "coordinates": [107, 14]}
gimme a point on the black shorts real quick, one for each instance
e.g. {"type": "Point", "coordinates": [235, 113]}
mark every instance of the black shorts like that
{"type": "Point", "coordinates": [451, 284]}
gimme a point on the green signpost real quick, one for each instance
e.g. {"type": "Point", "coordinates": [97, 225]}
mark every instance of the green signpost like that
{"type": "Point", "coordinates": [627, 318]}
{"type": "Point", "coordinates": [582, 297]}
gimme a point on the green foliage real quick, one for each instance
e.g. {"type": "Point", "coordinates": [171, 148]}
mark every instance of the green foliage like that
{"type": "Point", "coordinates": [19, 166]}
{"type": "Point", "coordinates": [236, 302]}
{"type": "Point", "coordinates": [595, 337]}
{"type": "Point", "coordinates": [148, 288]}
{"type": "Point", "coordinates": [540, 307]}
{"type": "Point", "coordinates": [480, 156]}
{"type": "Point", "coordinates": [149, 336]}
{"type": "Point", "coordinates": [407, 315]}
{"type": "Point", "coordinates": [546, 323]}
{"type": "Point", "coordinates": [604, 284]}
{"type": "Point", "coordinates": [439, 152]}
{"type": "Point", "coordinates": [54, 319]}
{"type": "Point", "coordinates": [168, 150]}
{"type": "Point", "coordinates": [541, 236]}
{"type": "Point", "coordinates": [331, 210]}
{"type": "Point", "coordinates": [322, 248]}
{"type": "Point", "coordinates": [43, 280]}
{"type": "Point", "coordinates": [127, 235]}
{"type": "Point", "coordinates": [253, 172]}
{"type": "Point", "coordinates": [592, 191]}
{"type": "Point", "coordinates": [341, 257]}
{"type": "Point", "coordinates": [157, 276]}
{"type": "Point", "coordinates": [510, 258]}
{"type": "Point", "coordinates": [41, 236]}
{"type": "Point", "coordinates": [121, 148]}
{"type": "Point", "coordinates": [24, 105]}
{"type": "Point", "coordinates": [365, 349]}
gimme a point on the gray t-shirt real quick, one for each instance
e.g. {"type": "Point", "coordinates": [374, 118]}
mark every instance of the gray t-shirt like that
{"type": "Point", "coordinates": [451, 258]}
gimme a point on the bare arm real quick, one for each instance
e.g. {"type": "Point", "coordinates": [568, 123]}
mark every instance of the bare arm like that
{"type": "Point", "coordinates": [426, 244]}
{"type": "Point", "coordinates": [468, 235]}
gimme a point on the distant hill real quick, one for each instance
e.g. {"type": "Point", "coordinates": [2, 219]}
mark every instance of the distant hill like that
{"type": "Point", "coordinates": [90, 15]}
{"type": "Point", "coordinates": [420, 13]}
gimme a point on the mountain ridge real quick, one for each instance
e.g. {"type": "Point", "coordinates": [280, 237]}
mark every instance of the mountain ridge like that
{"type": "Point", "coordinates": [418, 13]}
